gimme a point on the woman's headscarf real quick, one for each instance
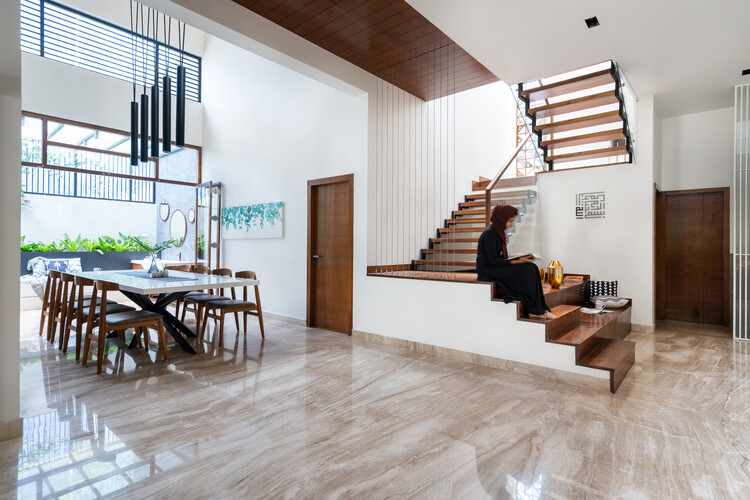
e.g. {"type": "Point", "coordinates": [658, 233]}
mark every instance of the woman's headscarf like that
{"type": "Point", "coordinates": [501, 214]}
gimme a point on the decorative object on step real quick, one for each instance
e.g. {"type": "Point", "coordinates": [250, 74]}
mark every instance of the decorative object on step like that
{"type": "Point", "coordinates": [555, 274]}
{"type": "Point", "coordinates": [602, 301]}
{"type": "Point", "coordinates": [264, 220]}
{"type": "Point", "coordinates": [541, 274]}
{"type": "Point", "coordinates": [588, 310]}
{"type": "Point", "coordinates": [164, 210]}
{"type": "Point", "coordinates": [602, 288]}
{"type": "Point", "coordinates": [590, 205]}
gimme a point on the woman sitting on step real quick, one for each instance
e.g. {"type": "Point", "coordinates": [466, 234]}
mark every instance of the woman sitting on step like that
{"type": "Point", "coordinates": [515, 279]}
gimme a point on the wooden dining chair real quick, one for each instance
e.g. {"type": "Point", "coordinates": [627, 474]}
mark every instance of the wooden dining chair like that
{"type": "Point", "coordinates": [181, 301]}
{"type": "Point", "coordinates": [58, 304]}
{"type": "Point", "coordinates": [117, 322]}
{"type": "Point", "coordinates": [78, 311]}
{"type": "Point", "coordinates": [181, 267]}
{"type": "Point", "coordinates": [219, 308]}
{"type": "Point", "coordinates": [197, 300]}
{"type": "Point", "coordinates": [48, 302]}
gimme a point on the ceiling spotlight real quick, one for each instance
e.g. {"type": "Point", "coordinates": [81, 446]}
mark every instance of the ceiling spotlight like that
{"type": "Point", "coordinates": [592, 22]}
{"type": "Point", "coordinates": [746, 72]}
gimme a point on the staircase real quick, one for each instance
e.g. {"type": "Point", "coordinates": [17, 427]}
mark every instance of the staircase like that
{"type": "Point", "coordinates": [454, 249]}
{"type": "Point", "coordinates": [579, 118]}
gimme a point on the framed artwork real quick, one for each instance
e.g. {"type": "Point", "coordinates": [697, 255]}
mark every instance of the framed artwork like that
{"type": "Point", "coordinates": [264, 220]}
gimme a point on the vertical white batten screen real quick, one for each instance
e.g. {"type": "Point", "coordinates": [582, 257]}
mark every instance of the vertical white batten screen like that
{"type": "Point", "coordinates": [741, 186]}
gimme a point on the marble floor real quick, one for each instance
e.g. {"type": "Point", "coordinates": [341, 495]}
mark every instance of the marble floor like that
{"type": "Point", "coordinates": [313, 414]}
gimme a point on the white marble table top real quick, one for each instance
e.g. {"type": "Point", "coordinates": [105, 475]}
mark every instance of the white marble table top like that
{"type": "Point", "coordinates": [149, 286]}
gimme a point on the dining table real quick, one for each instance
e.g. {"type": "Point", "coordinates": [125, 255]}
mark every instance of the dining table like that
{"type": "Point", "coordinates": [155, 294]}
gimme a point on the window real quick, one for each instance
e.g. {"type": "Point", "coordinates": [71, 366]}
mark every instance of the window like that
{"type": "Point", "coordinates": [57, 32]}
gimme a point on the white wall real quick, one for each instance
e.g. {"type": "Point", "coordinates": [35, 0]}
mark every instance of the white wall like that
{"type": "Point", "coordinates": [697, 150]}
{"type": "Point", "coordinates": [268, 130]}
{"type": "Point", "coordinates": [620, 246]}
{"type": "Point", "coordinates": [50, 217]}
{"type": "Point", "coordinates": [10, 208]}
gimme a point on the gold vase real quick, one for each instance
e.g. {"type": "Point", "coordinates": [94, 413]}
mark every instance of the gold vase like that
{"type": "Point", "coordinates": [555, 274]}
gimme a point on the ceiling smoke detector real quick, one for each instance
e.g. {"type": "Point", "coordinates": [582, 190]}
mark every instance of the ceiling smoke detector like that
{"type": "Point", "coordinates": [592, 22]}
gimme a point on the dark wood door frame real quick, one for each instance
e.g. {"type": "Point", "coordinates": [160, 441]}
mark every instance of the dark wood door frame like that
{"type": "Point", "coordinates": [659, 259]}
{"type": "Point", "coordinates": [310, 211]}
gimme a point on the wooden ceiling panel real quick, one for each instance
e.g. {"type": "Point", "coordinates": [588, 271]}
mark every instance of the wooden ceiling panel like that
{"type": "Point", "coordinates": [387, 38]}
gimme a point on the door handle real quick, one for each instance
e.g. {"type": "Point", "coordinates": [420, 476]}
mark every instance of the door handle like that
{"type": "Point", "coordinates": [316, 256]}
{"type": "Point", "coordinates": [315, 259]}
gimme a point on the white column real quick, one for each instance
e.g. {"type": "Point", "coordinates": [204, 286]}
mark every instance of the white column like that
{"type": "Point", "coordinates": [740, 186]}
{"type": "Point", "coordinates": [10, 216]}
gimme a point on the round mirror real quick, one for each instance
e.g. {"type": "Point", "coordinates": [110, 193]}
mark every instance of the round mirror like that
{"type": "Point", "coordinates": [178, 228]}
{"type": "Point", "coordinates": [191, 216]}
{"type": "Point", "coordinates": [164, 210]}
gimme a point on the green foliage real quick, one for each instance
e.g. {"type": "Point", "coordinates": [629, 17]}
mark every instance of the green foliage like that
{"type": "Point", "coordinates": [71, 245]}
{"type": "Point", "coordinates": [145, 245]}
{"type": "Point", "coordinates": [79, 243]}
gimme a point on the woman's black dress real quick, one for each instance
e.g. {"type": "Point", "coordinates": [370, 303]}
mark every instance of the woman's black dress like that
{"type": "Point", "coordinates": [514, 281]}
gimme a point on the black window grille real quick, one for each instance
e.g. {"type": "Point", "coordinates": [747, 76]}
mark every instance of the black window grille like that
{"type": "Point", "coordinates": [58, 32]}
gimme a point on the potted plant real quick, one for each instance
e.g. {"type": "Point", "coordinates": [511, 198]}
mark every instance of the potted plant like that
{"type": "Point", "coordinates": [153, 250]}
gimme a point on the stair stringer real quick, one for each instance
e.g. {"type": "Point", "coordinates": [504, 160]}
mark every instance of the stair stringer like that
{"type": "Point", "coordinates": [462, 316]}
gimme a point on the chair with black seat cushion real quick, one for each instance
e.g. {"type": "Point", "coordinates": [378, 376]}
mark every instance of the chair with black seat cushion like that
{"type": "Point", "coordinates": [198, 299]}
{"type": "Point", "coordinates": [117, 322]}
{"type": "Point", "coordinates": [218, 308]}
{"type": "Point", "coordinates": [77, 317]}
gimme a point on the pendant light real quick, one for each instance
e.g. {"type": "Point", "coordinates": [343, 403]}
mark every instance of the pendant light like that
{"type": "Point", "coordinates": [134, 103]}
{"type": "Point", "coordinates": [155, 91]}
{"type": "Point", "coordinates": [166, 84]}
{"type": "Point", "coordinates": [180, 118]}
{"type": "Point", "coordinates": [144, 97]}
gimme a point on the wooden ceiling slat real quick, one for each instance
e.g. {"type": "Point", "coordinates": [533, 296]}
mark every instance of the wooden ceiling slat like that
{"type": "Point", "coordinates": [387, 38]}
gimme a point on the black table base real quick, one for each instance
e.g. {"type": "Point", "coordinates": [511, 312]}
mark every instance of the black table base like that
{"type": "Point", "coordinates": [174, 326]}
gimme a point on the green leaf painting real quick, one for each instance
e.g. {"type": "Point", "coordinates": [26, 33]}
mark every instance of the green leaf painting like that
{"type": "Point", "coordinates": [261, 220]}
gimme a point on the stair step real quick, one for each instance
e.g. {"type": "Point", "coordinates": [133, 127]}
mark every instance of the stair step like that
{"type": "Point", "coordinates": [461, 229]}
{"type": "Point", "coordinates": [466, 220]}
{"type": "Point", "coordinates": [575, 84]}
{"type": "Point", "coordinates": [580, 122]}
{"type": "Point", "coordinates": [573, 105]}
{"type": "Point", "coordinates": [615, 356]}
{"type": "Point", "coordinates": [517, 202]}
{"type": "Point", "coordinates": [588, 155]}
{"type": "Point", "coordinates": [567, 317]}
{"type": "Point", "coordinates": [449, 251]}
{"type": "Point", "coordinates": [482, 183]}
{"type": "Point", "coordinates": [459, 263]}
{"type": "Point", "coordinates": [580, 140]}
{"type": "Point", "coordinates": [454, 240]}
{"type": "Point", "coordinates": [505, 194]}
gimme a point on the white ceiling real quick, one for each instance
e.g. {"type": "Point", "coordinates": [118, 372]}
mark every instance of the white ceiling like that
{"type": "Point", "coordinates": [689, 54]}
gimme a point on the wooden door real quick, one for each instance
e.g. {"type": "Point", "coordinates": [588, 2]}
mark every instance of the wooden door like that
{"type": "Point", "coordinates": [696, 227]}
{"type": "Point", "coordinates": [330, 253]}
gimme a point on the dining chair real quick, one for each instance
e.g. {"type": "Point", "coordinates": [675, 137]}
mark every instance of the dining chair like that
{"type": "Point", "coordinates": [78, 312]}
{"type": "Point", "coordinates": [117, 322]}
{"type": "Point", "coordinates": [180, 302]}
{"type": "Point", "coordinates": [50, 292]}
{"type": "Point", "coordinates": [217, 309]}
{"type": "Point", "coordinates": [197, 300]}
{"type": "Point", "coordinates": [181, 267]}
{"type": "Point", "coordinates": [58, 304]}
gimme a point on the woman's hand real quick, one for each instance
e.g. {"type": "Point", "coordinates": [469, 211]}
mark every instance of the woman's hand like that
{"type": "Point", "coordinates": [524, 260]}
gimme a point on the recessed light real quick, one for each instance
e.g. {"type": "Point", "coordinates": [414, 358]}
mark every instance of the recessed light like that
{"type": "Point", "coordinates": [592, 22]}
{"type": "Point", "coordinates": [746, 72]}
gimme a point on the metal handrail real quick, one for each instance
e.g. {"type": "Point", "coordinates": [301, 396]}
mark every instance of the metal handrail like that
{"type": "Point", "coordinates": [496, 179]}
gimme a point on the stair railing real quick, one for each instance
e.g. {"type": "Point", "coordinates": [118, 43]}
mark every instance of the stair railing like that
{"type": "Point", "coordinates": [496, 179]}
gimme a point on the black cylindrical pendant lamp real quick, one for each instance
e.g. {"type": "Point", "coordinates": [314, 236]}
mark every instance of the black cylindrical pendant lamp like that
{"type": "Point", "coordinates": [134, 133]}
{"type": "Point", "coordinates": [166, 114]}
{"type": "Point", "coordinates": [144, 127]}
{"type": "Point", "coordinates": [180, 118]}
{"type": "Point", "coordinates": [154, 121]}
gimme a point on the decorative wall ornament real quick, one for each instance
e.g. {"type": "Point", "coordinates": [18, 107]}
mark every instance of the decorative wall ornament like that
{"type": "Point", "coordinates": [191, 215]}
{"type": "Point", "coordinates": [264, 220]}
{"type": "Point", "coordinates": [164, 210]}
{"type": "Point", "coordinates": [590, 205]}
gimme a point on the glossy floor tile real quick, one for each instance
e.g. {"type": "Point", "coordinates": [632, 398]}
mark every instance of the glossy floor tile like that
{"type": "Point", "coordinates": [313, 414]}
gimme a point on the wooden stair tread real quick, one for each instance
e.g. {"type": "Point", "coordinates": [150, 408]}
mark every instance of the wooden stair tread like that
{"type": "Point", "coordinates": [608, 354]}
{"type": "Point", "coordinates": [499, 194]}
{"type": "Point", "coordinates": [575, 84]}
{"type": "Point", "coordinates": [514, 182]}
{"type": "Point", "coordinates": [589, 155]}
{"type": "Point", "coordinates": [580, 122]}
{"type": "Point", "coordinates": [454, 240]}
{"type": "Point", "coordinates": [589, 325]}
{"type": "Point", "coordinates": [469, 211]}
{"type": "Point", "coordinates": [449, 251]}
{"type": "Point", "coordinates": [480, 203]}
{"type": "Point", "coordinates": [579, 140]}
{"type": "Point", "coordinates": [433, 262]}
{"type": "Point", "coordinates": [466, 220]}
{"type": "Point", "coordinates": [559, 311]}
{"type": "Point", "coordinates": [462, 229]}
{"type": "Point", "coordinates": [572, 105]}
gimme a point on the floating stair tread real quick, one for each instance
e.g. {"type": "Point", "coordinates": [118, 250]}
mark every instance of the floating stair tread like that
{"type": "Point", "coordinates": [469, 211]}
{"type": "Point", "coordinates": [590, 324]}
{"type": "Point", "coordinates": [588, 155]}
{"type": "Point", "coordinates": [433, 262]}
{"type": "Point", "coordinates": [462, 229]}
{"type": "Point", "coordinates": [573, 105]}
{"type": "Point", "coordinates": [454, 240]}
{"type": "Point", "coordinates": [449, 251]}
{"type": "Point", "coordinates": [515, 182]}
{"type": "Point", "coordinates": [580, 140]}
{"type": "Point", "coordinates": [482, 183]}
{"type": "Point", "coordinates": [500, 194]}
{"type": "Point", "coordinates": [466, 220]}
{"type": "Point", "coordinates": [480, 203]}
{"type": "Point", "coordinates": [580, 122]}
{"type": "Point", "coordinates": [575, 84]}
{"type": "Point", "coordinates": [559, 311]}
{"type": "Point", "coordinates": [609, 354]}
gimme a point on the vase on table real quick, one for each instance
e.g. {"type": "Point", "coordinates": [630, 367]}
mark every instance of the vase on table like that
{"type": "Point", "coordinates": [153, 270]}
